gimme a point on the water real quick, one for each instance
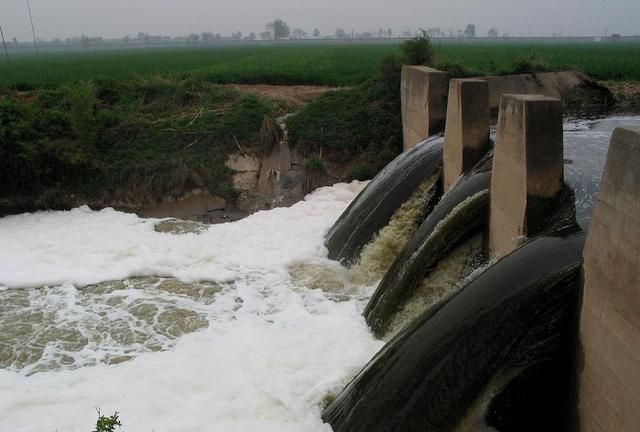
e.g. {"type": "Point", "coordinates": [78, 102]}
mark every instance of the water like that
{"type": "Point", "coordinates": [372, 210]}
{"type": "Point", "coordinates": [378, 255]}
{"type": "Point", "coordinates": [585, 151]}
{"type": "Point", "coordinates": [240, 326]}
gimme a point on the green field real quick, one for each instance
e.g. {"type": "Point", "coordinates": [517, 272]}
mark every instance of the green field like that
{"type": "Point", "coordinates": [324, 64]}
{"type": "Point", "coordinates": [331, 65]}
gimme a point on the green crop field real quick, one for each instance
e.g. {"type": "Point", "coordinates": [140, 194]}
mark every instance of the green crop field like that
{"type": "Point", "coordinates": [331, 65]}
{"type": "Point", "coordinates": [322, 64]}
{"type": "Point", "coordinates": [603, 61]}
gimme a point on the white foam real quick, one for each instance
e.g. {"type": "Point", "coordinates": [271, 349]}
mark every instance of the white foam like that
{"type": "Point", "coordinates": [272, 351]}
{"type": "Point", "coordinates": [84, 247]}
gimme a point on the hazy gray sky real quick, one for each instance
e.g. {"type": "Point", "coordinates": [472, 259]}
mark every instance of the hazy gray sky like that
{"type": "Point", "coordinates": [116, 18]}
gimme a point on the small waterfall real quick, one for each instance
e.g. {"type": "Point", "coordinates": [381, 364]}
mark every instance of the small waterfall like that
{"type": "Point", "coordinates": [374, 207]}
{"type": "Point", "coordinates": [461, 214]}
{"type": "Point", "coordinates": [378, 255]}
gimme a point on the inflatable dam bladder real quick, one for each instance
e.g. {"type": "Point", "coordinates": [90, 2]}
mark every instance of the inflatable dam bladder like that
{"type": "Point", "coordinates": [494, 355]}
{"type": "Point", "coordinates": [374, 207]}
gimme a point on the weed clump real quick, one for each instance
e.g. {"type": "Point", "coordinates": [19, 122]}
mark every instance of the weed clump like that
{"type": "Point", "coordinates": [530, 64]}
{"type": "Point", "coordinates": [107, 424]}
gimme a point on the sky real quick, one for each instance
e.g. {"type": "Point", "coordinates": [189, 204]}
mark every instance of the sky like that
{"type": "Point", "coordinates": [117, 18]}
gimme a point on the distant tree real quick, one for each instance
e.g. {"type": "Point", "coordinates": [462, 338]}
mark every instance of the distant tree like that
{"type": "Point", "coordinates": [279, 28]}
{"type": "Point", "coordinates": [236, 35]}
{"type": "Point", "coordinates": [615, 37]}
{"type": "Point", "coordinates": [265, 35]}
{"type": "Point", "coordinates": [298, 33]}
{"type": "Point", "coordinates": [84, 42]}
{"type": "Point", "coordinates": [316, 33]}
{"type": "Point", "coordinates": [207, 37]}
{"type": "Point", "coordinates": [340, 33]}
{"type": "Point", "coordinates": [470, 31]}
{"type": "Point", "coordinates": [493, 32]}
{"type": "Point", "coordinates": [389, 33]}
{"type": "Point", "coordinates": [381, 33]}
{"type": "Point", "coordinates": [407, 34]}
{"type": "Point", "coordinates": [126, 39]}
{"type": "Point", "coordinates": [15, 41]}
{"type": "Point", "coordinates": [252, 36]}
{"type": "Point", "coordinates": [460, 33]}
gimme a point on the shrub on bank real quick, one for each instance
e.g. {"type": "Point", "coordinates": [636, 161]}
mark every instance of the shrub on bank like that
{"type": "Point", "coordinates": [362, 122]}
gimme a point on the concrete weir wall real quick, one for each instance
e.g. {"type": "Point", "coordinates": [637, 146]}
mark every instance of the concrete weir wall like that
{"type": "Point", "coordinates": [609, 382]}
{"type": "Point", "coordinates": [527, 168]}
{"type": "Point", "coordinates": [552, 84]}
{"type": "Point", "coordinates": [424, 96]}
{"type": "Point", "coordinates": [423, 92]}
{"type": "Point", "coordinates": [466, 137]}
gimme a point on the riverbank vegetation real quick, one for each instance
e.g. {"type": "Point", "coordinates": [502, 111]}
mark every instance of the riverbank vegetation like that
{"type": "Point", "coordinates": [132, 141]}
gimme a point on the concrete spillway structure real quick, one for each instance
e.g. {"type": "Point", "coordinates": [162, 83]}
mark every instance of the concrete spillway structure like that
{"type": "Point", "coordinates": [609, 384]}
{"type": "Point", "coordinates": [423, 92]}
{"type": "Point", "coordinates": [527, 169]}
{"type": "Point", "coordinates": [466, 137]}
{"type": "Point", "coordinates": [424, 95]}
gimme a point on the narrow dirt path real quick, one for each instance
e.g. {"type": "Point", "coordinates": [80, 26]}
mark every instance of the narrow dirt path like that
{"type": "Point", "coordinates": [298, 94]}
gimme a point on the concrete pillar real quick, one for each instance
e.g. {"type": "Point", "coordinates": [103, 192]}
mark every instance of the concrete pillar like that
{"type": "Point", "coordinates": [609, 392]}
{"type": "Point", "coordinates": [527, 168]}
{"type": "Point", "coordinates": [466, 137]}
{"type": "Point", "coordinates": [423, 91]}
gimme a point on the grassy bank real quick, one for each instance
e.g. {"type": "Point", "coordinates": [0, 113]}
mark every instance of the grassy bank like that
{"type": "Point", "coordinates": [360, 124]}
{"type": "Point", "coordinates": [127, 141]}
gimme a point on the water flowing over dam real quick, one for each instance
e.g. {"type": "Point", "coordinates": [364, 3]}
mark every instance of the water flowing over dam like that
{"type": "Point", "coordinates": [459, 215]}
{"type": "Point", "coordinates": [499, 327]}
{"type": "Point", "coordinates": [375, 206]}
{"type": "Point", "coordinates": [257, 325]}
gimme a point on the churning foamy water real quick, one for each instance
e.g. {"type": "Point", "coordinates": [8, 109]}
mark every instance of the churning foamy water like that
{"type": "Point", "coordinates": [225, 328]}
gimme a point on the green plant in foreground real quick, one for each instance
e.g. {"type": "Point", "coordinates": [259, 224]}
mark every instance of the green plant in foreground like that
{"type": "Point", "coordinates": [107, 424]}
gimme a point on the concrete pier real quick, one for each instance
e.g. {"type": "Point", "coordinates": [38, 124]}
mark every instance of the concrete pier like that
{"type": "Point", "coordinates": [527, 168]}
{"type": "Point", "coordinates": [423, 92]}
{"type": "Point", "coordinates": [609, 382]}
{"type": "Point", "coordinates": [466, 137]}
